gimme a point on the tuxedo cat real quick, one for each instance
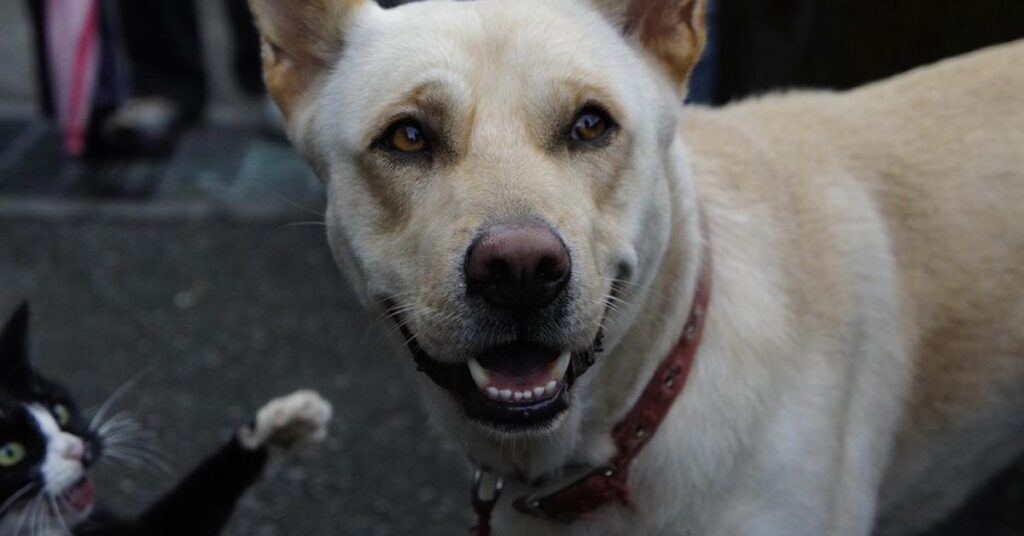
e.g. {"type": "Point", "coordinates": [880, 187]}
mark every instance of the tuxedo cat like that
{"type": "Point", "coordinates": [47, 448]}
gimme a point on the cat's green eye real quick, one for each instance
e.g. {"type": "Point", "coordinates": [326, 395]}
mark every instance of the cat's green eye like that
{"type": "Point", "coordinates": [62, 414]}
{"type": "Point", "coordinates": [11, 454]}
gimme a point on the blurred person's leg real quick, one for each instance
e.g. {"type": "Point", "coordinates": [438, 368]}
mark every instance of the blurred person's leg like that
{"type": "Point", "coordinates": [248, 68]}
{"type": "Point", "coordinates": [162, 43]}
{"type": "Point", "coordinates": [35, 10]}
{"type": "Point", "coordinates": [164, 48]}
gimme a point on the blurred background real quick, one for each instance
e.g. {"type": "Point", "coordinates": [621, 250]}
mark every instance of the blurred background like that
{"type": "Point", "coordinates": [155, 216]}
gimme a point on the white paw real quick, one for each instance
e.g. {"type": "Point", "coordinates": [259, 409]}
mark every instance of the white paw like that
{"type": "Point", "coordinates": [289, 422]}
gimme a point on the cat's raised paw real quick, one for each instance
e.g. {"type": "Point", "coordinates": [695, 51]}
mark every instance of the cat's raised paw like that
{"type": "Point", "coordinates": [289, 422]}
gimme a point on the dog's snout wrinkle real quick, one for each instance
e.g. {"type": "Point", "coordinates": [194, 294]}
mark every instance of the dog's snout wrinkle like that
{"type": "Point", "coordinates": [518, 266]}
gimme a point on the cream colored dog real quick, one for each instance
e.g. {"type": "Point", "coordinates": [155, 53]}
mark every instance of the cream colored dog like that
{"type": "Point", "coordinates": [517, 183]}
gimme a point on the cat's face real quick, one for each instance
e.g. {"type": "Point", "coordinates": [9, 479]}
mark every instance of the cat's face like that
{"type": "Point", "coordinates": [46, 445]}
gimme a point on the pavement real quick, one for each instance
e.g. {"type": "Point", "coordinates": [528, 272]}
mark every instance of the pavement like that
{"type": "Point", "coordinates": [225, 313]}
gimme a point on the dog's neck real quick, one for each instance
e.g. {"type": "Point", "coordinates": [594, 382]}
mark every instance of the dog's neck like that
{"type": "Point", "coordinates": [666, 298]}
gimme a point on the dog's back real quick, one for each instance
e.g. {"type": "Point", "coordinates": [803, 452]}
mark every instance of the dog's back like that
{"type": "Point", "coordinates": [939, 156]}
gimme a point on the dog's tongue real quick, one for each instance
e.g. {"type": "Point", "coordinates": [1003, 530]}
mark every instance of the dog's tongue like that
{"type": "Point", "coordinates": [81, 497]}
{"type": "Point", "coordinates": [518, 360]}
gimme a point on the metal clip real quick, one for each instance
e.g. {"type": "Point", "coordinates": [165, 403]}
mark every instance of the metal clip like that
{"type": "Point", "coordinates": [487, 486]}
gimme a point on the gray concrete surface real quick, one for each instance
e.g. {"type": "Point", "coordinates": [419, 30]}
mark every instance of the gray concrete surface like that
{"type": "Point", "coordinates": [229, 315]}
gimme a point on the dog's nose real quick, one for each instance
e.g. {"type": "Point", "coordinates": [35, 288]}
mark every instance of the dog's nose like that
{"type": "Point", "coordinates": [518, 266]}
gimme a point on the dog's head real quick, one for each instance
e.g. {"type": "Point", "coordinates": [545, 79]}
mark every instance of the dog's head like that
{"type": "Point", "coordinates": [497, 176]}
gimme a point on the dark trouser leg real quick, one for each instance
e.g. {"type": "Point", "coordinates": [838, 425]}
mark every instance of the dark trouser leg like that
{"type": "Point", "coordinates": [36, 9]}
{"type": "Point", "coordinates": [248, 69]}
{"type": "Point", "coordinates": [163, 45]}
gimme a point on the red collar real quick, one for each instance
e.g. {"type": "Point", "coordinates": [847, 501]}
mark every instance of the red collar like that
{"type": "Point", "coordinates": [609, 483]}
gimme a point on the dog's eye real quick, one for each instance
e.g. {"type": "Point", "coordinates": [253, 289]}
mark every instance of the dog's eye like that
{"type": "Point", "coordinates": [592, 125]}
{"type": "Point", "coordinates": [406, 137]}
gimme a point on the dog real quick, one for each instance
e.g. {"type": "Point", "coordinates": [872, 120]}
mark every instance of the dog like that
{"type": "Point", "coordinates": [797, 315]}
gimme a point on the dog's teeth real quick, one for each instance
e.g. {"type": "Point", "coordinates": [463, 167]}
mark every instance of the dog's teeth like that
{"type": "Point", "coordinates": [493, 393]}
{"type": "Point", "coordinates": [506, 395]}
{"type": "Point", "coordinates": [527, 395]}
{"type": "Point", "coordinates": [549, 389]}
{"type": "Point", "coordinates": [518, 396]}
{"type": "Point", "coordinates": [538, 392]}
{"type": "Point", "coordinates": [480, 375]}
{"type": "Point", "coordinates": [561, 365]}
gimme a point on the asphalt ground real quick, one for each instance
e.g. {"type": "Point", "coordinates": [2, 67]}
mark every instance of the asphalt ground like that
{"type": "Point", "coordinates": [225, 315]}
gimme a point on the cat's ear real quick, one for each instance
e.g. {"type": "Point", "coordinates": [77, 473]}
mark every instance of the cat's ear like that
{"type": "Point", "coordinates": [301, 39]}
{"type": "Point", "coordinates": [15, 368]}
{"type": "Point", "coordinates": [672, 32]}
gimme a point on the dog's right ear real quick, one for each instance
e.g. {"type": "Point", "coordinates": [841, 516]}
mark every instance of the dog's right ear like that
{"type": "Point", "coordinates": [300, 40]}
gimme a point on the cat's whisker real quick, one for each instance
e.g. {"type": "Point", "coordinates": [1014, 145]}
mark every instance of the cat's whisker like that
{"type": "Point", "coordinates": [118, 456]}
{"type": "Point", "coordinates": [17, 495]}
{"type": "Point", "coordinates": [125, 430]}
{"type": "Point", "coordinates": [140, 450]}
{"type": "Point", "coordinates": [42, 521]}
{"type": "Point", "coordinates": [62, 524]}
{"type": "Point", "coordinates": [121, 424]}
{"type": "Point", "coordinates": [152, 453]}
{"type": "Point", "coordinates": [141, 458]}
{"type": "Point", "coordinates": [139, 439]}
{"type": "Point", "coordinates": [141, 443]}
{"type": "Point", "coordinates": [29, 516]}
{"type": "Point", "coordinates": [129, 460]}
{"type": "Point", "coordinates": [118, 393]}
{"type": "Point", "coordinates": [130, 435]}
{"type": "Point", "coordinates": [120, 419]}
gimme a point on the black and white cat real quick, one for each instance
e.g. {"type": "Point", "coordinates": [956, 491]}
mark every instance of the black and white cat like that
{"type": "Point", "coordinates": [47, 449]}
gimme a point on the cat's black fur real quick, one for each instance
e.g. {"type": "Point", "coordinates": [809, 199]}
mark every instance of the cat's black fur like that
{"type": "Point", "coordinates": [200, 505]}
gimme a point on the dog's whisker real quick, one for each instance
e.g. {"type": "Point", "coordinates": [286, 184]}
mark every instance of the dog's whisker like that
{"type": "Point", "coordinates": [293, 203]}
{"type": "Point", "coordinates": [303, 224]}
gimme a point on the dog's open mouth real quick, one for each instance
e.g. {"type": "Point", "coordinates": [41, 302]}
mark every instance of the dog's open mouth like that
{"type": "Point", "coordinates": [518, 385]}
{"type": "Point", "coordinates": [520, 373]}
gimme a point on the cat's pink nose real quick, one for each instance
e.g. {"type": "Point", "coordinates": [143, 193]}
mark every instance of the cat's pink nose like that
{"type": "Point", "coordinates": [74, 449]}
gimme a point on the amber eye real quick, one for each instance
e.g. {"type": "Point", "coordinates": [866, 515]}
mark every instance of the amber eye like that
{"type": "Point", "coordinates": [592, 124]}
{"type": "Point", "coordinates": [406, 137]}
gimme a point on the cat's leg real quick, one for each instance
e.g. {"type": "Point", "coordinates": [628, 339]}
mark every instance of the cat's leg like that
{"type": "Point", "coordinates": [203, 502]}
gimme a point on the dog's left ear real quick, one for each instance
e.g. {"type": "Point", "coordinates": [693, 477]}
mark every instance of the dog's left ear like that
{"type": "Point", "coordinates": [673, 32]}
{"type": "Point", "coordinates": [301, 39]}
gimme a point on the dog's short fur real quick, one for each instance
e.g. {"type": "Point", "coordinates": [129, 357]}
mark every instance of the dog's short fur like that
{"type": "Point", "coordinates": [863, 363]}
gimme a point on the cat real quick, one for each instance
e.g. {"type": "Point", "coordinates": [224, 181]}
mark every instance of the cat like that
{"type": "Point", "coordinates": [48, 447]}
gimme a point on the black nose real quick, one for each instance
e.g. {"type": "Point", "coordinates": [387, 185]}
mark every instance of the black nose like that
{"type": "Point", "coordinates": [92, 452]}
{"type": "Point", "coordinates": [518, 266]}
